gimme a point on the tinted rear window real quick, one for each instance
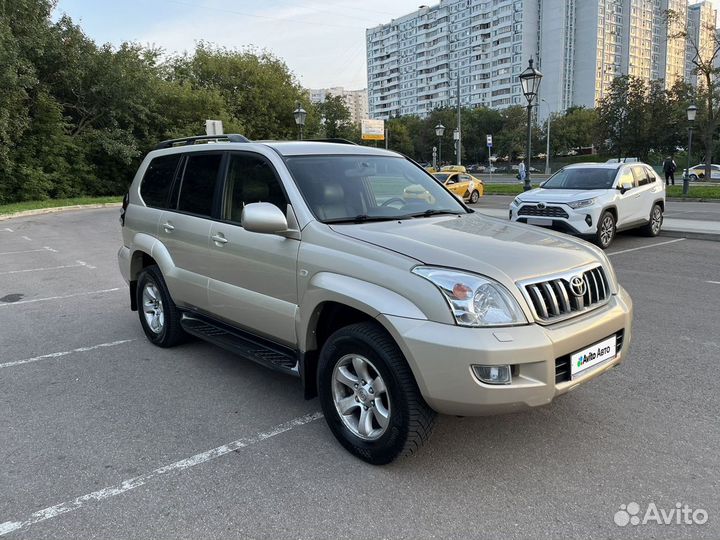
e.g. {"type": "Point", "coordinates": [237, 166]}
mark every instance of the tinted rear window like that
{"type": "Point", "coordinates": [198, 185]}
{"type": "Point", "coordinates": [157, 181]}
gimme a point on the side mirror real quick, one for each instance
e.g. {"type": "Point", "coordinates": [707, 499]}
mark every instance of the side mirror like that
{"type": "Point", "coordinates": [623, 188]}
{"type": "Point", "coordinates": [264, 218]}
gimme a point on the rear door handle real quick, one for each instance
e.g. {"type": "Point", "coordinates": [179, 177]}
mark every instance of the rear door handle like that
{"type": "Point", "coordinates": [168, 227]}
{"type": "Point", "coordinates": [219, 238]}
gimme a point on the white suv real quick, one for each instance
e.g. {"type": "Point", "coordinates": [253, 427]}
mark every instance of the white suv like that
{"type": "Point", "coordinates": [595, 200]}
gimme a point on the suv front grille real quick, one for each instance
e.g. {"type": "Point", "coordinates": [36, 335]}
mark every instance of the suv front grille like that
{"type": "Point", "coordinates": [562, 364]}
{"type": "Point", "coordinates": [547, 211]}
{"type": "Point", "coordinates": [568, 295]}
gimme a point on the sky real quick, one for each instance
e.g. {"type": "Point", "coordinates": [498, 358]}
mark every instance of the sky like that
{"type": "Point", "coordinates": [323, 43]}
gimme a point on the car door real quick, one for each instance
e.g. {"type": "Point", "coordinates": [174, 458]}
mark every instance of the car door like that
{"type": "Point", "coordinates": [464, 186]}
{"type": "Point", "coordinates": [184, 228]}
{"type": "Point", "coordinates": [452, 183]}
{"type": "Point", "coordinates": [628, 205]}
{"type": "Point", "coordinates": [253, 281]}
{"type": "Point", "coordinates": [643, 192]}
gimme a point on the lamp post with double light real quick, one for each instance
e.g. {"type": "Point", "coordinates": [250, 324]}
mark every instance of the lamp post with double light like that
{"type": "Point", "coordinates": [439, 131]}
{"type": "Point", "coordinates": [300, 114]}
{"type": "Point", "coordinates": [691, 113]}
{"type": "Point", "coordinates": [530, 81]}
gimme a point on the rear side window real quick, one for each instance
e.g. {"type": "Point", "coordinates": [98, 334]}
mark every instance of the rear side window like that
{"type": "Point", "coordinates": [198, 184]}
{"type": "Point", "coordinates": [158, 179]}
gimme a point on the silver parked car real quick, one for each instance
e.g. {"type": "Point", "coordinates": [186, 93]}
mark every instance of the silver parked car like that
{"type": "Point", "coordinates": [352, 269]}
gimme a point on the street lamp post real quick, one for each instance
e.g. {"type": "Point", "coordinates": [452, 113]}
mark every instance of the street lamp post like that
{"type": "Point", "coordinates": [439, 131]}
{"type": "Point", "coordinates": [691, 112]}
{"type": "Point", "coordinates": [300, 114]}
{"type": "Point", "coordinates": [456, 138]}
{"type": "Point", "coordinates": [530, 81]}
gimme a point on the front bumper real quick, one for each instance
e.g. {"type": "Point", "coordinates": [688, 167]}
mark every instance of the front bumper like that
{"type": "Point", "coordinates": [575, 223]}
{"type": "Point", "coordinates": [441, 357]}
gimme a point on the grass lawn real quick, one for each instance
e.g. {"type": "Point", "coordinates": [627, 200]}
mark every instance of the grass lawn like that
{"type": "Point", "coordinates": [54, 203]}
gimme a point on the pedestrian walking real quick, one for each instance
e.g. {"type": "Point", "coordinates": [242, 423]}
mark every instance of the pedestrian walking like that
{"type": "Point", "coordinates": [669, 168]}
{"type": "Point", "coordinates": [521, 171]}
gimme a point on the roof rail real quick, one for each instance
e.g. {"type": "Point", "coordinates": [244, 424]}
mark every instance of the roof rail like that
{"type": "Point", "coordinates": [332, 140]}
{"type": "Point", "coordinates": [188, 141]}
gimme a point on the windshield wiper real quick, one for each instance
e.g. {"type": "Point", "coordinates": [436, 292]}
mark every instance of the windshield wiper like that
{"type": "Point", "coordinates": [361, 218]}
{"type": "Point", "coordinates": [431, 212]}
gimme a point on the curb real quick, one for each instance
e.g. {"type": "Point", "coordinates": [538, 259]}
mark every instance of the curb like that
{"type": "Point", "coordinates": [41, 211]}
{"type": "Point", "coordinates": [691, 199]}
{"type": "Point", "coordinates": [691, 235]}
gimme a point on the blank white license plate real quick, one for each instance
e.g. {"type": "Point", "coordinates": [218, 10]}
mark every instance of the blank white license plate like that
{"type": "Point", "coordinates": [539, 222]}
{"type": "Point", "coordinates": [592, 356]}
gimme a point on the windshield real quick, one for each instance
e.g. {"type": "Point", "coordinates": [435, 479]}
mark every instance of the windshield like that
{"type": "Point", "coordinates": [441, 177]}
{"type": "Point", "coordinates": [363, 188]}
{"type": "Point", "coordinates": [590, 178]}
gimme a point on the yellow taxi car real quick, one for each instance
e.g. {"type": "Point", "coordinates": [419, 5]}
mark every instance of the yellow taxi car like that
{"type": "Point", "coordinates": [458, 181]}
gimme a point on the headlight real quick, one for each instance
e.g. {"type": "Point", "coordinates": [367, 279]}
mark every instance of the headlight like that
{"type": "Point", "coordinates": [474, 300]}
{"type": "Point", "coordinates": [581, 204]}
{"type": "Point", "coordinates": [516, 202]}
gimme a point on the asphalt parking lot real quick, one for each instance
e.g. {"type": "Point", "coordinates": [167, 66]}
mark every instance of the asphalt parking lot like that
{"type": "Point", "coordinates": [103, 435]}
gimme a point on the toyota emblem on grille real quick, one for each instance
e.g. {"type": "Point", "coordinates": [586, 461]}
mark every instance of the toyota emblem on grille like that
{"type": "Point", "coordinates": [578, 286]}
{"type": "Point", "coordinates": [541, 206]}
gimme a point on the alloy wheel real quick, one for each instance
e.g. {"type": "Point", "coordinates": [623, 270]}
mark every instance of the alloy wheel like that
{"type": "Point", "coordinates": [606, 230]}
{"type": "Point", "coordinates": [153, 308]}
{"type": "Point", "coordinates": [361, 397]}
{"type": "Point", "coordinates": [656, 220]}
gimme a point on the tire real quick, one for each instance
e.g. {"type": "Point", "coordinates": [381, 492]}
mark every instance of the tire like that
{"type": "Point", "coordinates": [605, 230]}
{"type": "Point", "coordinates": [655, 224]}
{"type": "Point", "coordinates": [390, 395]}
{"type": "Point", "coordinates": [474, 196]}
{"type": "Point", "coordinates": [693, 178]}
{"type": "Point", "coordinates": [159, 317]}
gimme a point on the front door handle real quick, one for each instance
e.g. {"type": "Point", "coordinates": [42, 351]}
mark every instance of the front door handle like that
{"type": "Point", "coordinates": [168, 227]}
{"type": "Point", "coordinates": [219, 238]}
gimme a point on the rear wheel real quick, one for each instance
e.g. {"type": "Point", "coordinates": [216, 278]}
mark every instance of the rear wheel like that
{"type": "Point", "coordinates": [655, 224]}
{"type": "Point", "coordinates": [159, 317]}
{"type": "Point", "coordinates": [605, 230]}
{"type": "Point", "coordinates": [475, 196]}
{"type": "Point", "coordinates": [369, 396]}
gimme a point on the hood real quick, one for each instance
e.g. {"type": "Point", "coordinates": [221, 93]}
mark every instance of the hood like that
{"type": "Point", "coordinates": [558, 195]}
{"type": "Point", "coordinates": [477, 243]}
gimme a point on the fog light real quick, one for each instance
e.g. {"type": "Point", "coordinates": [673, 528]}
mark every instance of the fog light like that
{"type": "Point", "coordinates": [588, 220]}
{"type": "Point", "coordinates": [493, 374]}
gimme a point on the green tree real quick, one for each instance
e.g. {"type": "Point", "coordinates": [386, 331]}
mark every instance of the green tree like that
{"type": "Point", "coordinates": [335, 117]}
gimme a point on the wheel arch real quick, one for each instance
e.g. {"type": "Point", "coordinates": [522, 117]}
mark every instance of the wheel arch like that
{"type": "Point", "coordinates": [332, 302]}
{"type": "Point", "coordinates": [146, 251]}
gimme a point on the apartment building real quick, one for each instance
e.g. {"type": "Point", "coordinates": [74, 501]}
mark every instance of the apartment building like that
{"type": "Point", "coordinates": [580, 46]}
{"type": "Point", "coordinates": [355, 100]}
{"type": "Point", "coordinates": [414, 61]}
{"type": "Point", "coordinates": [701, 41]}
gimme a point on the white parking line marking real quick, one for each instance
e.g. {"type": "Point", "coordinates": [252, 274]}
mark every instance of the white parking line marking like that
{"type": "Point", "coordinates": [23, 251]}
{"type": "Point", "coordinates": [646, 247]}
{"type": "Point", "coordinates": [83, 263]}
{"type": "Point", "coordinates": [58, 297]}
{"type": "Point", "coordinates": [28, 239]}
{"type": "Point", "coordinates": [50, 249]}
{"type": "Point", "coordinates": [136, 482]}
{"type": "Point", "coordinates": [713, 282]}
{"type": "Point", "coordinates": [6, 229]}
{"type": "Point", "coordinates": [64, 353]}
{"type": "Point", "coordinates": [42, 269]}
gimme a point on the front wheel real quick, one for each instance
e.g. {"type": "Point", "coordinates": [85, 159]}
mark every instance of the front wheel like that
{"type": "Point", "coordinates": [369, 396]}
{"type": "Point", "coordinates": [475, 196]}
{"type": "Point", "coordinates": [655, 224]}
{"type": "Point", "coordinates": [605, 230]}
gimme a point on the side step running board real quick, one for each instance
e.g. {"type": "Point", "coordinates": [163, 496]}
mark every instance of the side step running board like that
{"type": "Point", "coordinates": [248, 346]}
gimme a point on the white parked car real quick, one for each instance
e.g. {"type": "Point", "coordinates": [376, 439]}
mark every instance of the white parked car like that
{"type": "Point", "coordinates": [698, 172]}
{"type": "Point", "coordinates": [595, 200]}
